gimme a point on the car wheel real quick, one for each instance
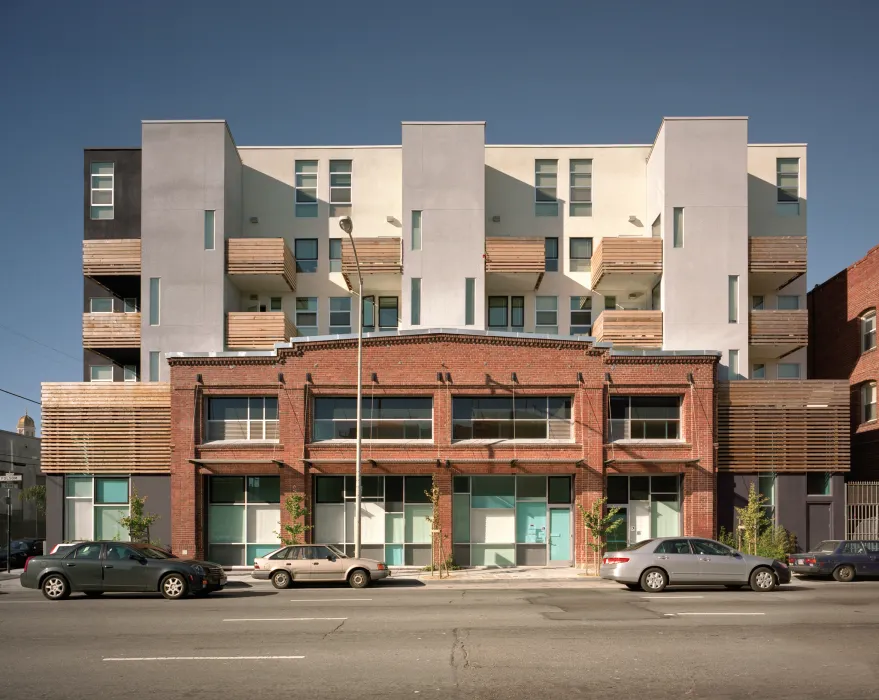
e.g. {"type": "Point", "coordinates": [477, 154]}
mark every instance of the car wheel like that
{"type": "Point", "coordinates": [358, 579]}
{"type": "Point", "coordinates": [174, 586]}
{"type": "Point", "coordinates": [281, 579]}
{"type": "Point", "coordinates": [763, 580]}
{"type": "Point", "coordinates": [844, 573]}
{"type": "Point", "coordinates": [633, 586]}
{"type": "Point", "coordinates": [654, 580]}
{"type": "Point", "coordinates": [55, 587]}
{"type": "Point", "coordinates": [94, 594]}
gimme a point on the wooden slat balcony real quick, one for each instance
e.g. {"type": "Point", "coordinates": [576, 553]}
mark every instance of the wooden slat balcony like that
{"type": "Point", "coordinates": [777, 254]}
{"type": "Point", "coordinates": [261, 264]}
{"type": "Point", "coordinates": [111, 258]}
{"type": "Point", "coordinates": [620, 261]}
{"type": "Point", "coordinates": [106, 428]}
{"type": "Point", "coordinates": [784, 330]}
{"type": "Point", "coordinates": [514, 263]}
{"type": "Point", "coordinates": [246, 330]}
{"type": "Point", "coordinates": [629, 328]}
{"type": "Point", "coordinates": [114, 330]}
{"type": "Point", "coordinates": [380, 256]}
{"type": "Point", "coordinates": [783, 426]}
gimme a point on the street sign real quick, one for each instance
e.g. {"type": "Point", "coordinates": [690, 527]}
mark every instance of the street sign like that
{"type": "Point", "coordinates": [11, 478]}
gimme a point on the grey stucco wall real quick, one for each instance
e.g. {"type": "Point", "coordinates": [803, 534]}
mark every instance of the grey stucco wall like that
{"type": "Point", "coordinates": [157, 491]}
{"type": "Point", "coordinates": [54, 510]}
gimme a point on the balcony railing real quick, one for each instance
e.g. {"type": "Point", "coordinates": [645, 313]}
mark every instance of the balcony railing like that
{"type": "Point", "coordinates": [113, 330]}
{"type": "Point", "coordinates": [106, 258]}
{"type": "Point", "coordinates": [623, 258]}
{"type": "Point", "coordinates": [515, 255]}
{"type": "Point", "coordinates": [780, 328]}
{"type": "Point", "coordinates": [380, 255]}
{"type": "Point", "coordinates": [257, 263]}
{"type": "Point", "coordinates": [246, 330]}
{"type": "Point", "coordinates": [629, 328]}
{"type": "Point", "coordinates": [777, 254]}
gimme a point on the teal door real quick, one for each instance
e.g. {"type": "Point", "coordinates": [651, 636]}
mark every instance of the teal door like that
{"type": "Point", "coordinates": [560, 535]}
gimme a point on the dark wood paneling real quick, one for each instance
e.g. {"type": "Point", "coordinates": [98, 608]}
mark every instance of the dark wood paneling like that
{"type": "Point", "coordinates": [126, 196]}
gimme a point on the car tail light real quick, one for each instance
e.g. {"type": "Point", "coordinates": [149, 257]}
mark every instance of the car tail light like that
{"type": "Point", "coordinates": [255, 564]}
{"type": "Point", "coordinates": [810, 560]}
{"type": "Point", "coordinates": [26, 562]}
{"type": "Point", "coordinates": [382, 566]}
{"type": "Point", "coordinates": [616, 560]}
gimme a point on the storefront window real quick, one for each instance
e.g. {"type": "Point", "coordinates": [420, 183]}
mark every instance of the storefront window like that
{"type": "Point", "coordinates": [650, 506]}
{"type": "Point", "coordinates": [94, 508]}
{"type": "Point", "coordinates": [644, 418]}
{"type": "Point", "coordinates": [244, 515]}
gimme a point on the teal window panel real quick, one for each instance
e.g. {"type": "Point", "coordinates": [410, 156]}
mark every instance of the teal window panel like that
{"type": "Point", "coordinates": [111, 491]}
{"type": "Point", "coordinates": [395, 529]}
{"type": "Point", "coordinates": [417, 524]}
{"type": "Point", "coordinates": [259, 550]}
{"type": "Point", "coordinates": [461, 517]}
{"type": "Point", "coordinates": [107, 525]}
{"type": "Point", "coordinates": [263, 489]}
{"type": "Point", "coordinates": [394, 555]}
{"type": "Point", "coordinates": [531, 522]}
{"type": "Point", "coordinates": [79, 486]}
{"type": "Point", "coordinates": [493, 492]}
{"type": "Point", "coordinates": [531, 487]}
{"type": "Point", "coordinates": [225, 524]}
{"type": "Point", "coordinates": [489, 555]}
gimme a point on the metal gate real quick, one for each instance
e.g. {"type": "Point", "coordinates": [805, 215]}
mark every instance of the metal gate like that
{"type": "Point", "coordinates": [862, 510]}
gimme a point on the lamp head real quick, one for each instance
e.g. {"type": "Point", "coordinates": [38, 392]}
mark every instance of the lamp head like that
{"type": "Point", "coordinates": [346, 224]}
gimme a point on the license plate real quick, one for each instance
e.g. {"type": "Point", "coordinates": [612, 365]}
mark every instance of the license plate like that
{"type": "Point", "coordinates": [800, 562]}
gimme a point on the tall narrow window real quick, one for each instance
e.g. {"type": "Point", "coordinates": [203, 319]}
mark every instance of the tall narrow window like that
{"type": "Point", "coordinates": [546, 175]}
{"type": "Point", "coordinates": [788, 179]}
{"type": "Point", "coordinates": [209, 229]}
{"type": "Point", "coordinates": [416, 230]}
{"type": "Point", "coordinates": [388, 313]}
{"type": "Point", "coordinates": [868, 331]}
{"type": "Point", "coordinates": [469, 301]}
{"type": "Point", "coordinates": [547, 315]}
{"type": "Point", "coordinates": [276, 304]}
{"type": "Point", "coordinates": [581, 254]}
{"type": "Point", "coordinates": [497, 313]}
{"type": "Point", "coordinates": [415, 302]}
{"type": "Point", "coordinates": [305, 252]}
{"type": "Point", "coordinates": [517, 314]}
{"type": "Point", "coordinates": [154, 366]}
{"type": "Point", "coordinates": [306, 188]}
{"type": "Point", "coordinates": [581, 315]}
{"type": "Point", "coordinates": [155, 300]}
{"type": "Point", "coordinates": [766, 487]}
{"type": "Point", "coordinates": [868, 402]}
{"type": "Point", "coordinates": [102, 190]}
{"type": "Point", "coordinates": [306, 315]}
{"type": "Point", "coordinates": [129, 373]}
{"type": "Point", "coordinates": [581, 188]}
{"type": "Point", "coordinates": [758, 302]}
{"type": "Point", "coordinates": [367, 309]}
{"type": "Point", "coordinates": [340, 188]}
{"type": "Point", "coordinates": [551, 254]}
{"type": "Point", "coordinates": [678, 227]}
{"type": "Point", "coordinates": [335, 255]}
{"type": "Point", "coordinates": [340, 314]}
{"type": "Point", "coordinates": [733, 365]}
{"type": "Point", "coordinates": [733, 298]}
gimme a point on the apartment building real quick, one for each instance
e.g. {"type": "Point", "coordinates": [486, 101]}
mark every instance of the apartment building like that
{"type": "Point", "coordinates": [545, 325]}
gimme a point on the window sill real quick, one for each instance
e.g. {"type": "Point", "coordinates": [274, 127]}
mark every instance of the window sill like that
{"type": "Point", "coordinates": [867, 352]}
{"type": "Point", "coordinates": [544, 443]}
{"type": "Point", "coordinates": [365, 441]}
{"type": "Point", "coordinates": [240, 444]}
{"type": "Point", "coordinates": [651, 443]}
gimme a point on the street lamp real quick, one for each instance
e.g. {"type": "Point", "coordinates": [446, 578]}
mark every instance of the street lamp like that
{"type": "Point", "coordinates": [347, 226]}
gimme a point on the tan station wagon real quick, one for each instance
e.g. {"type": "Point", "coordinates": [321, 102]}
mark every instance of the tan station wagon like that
{"type": "Point", "coordinates": [317, 562]}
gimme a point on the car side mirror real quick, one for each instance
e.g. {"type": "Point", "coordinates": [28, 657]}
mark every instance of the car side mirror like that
{"type": "Point", "coordinates": [330, 557]}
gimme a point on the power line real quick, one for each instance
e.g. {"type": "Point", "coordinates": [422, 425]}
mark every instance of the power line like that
{"type": "Point", "coordinates": [19, 396]}
{"type": "Point", "coordinates": [48, 347]}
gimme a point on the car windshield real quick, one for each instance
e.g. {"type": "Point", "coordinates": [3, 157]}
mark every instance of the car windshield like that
{"type": "Point", "coordinates": [826, 546]}
{"type": "Point", "coordinates": [153, 553]}
{"type": "Point", "coordinates": [338, 552]}
{"type": "Point", "coordinates": [637, 545]}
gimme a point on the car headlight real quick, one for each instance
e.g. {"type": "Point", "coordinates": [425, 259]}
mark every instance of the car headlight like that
{"type": "Point", "coordinates": [199, 571]}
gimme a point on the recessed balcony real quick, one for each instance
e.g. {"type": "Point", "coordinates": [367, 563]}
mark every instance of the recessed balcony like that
{"type": "Point", "coordinates": [246, 330]}
{"type": "Point", "coordinates": [261, 264]}
{"type": "Point", "coordinates": [630, 328]}
{"type": "Point", "coordinates": [111, 258]}
{"type": "Point", "coordinates": [514, 263]}
{"type": "Point", "coordinates": [774, 334]}
{"type": "Point", "coordinates": [622, 263]}
{"type": "Point", "coordinates": [775, 261]}
{"type": "Point", "coordinates": [380, 258]}
{"type": "Point", "coordinates": [111, 330]}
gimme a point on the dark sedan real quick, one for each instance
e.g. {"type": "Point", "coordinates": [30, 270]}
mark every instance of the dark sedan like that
{"type": "Point", "coordinates": [94, 568]}
{"type": "Point", "coordinates": [841, 559]}
{"type": "Point", "coordinates": [22, 549]}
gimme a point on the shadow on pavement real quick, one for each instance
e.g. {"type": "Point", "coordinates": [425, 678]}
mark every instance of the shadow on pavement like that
{"type": "Point", "coordinates": [744, 590]}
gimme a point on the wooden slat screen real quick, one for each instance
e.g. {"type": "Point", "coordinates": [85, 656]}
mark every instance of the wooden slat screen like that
{"type": "Point", "coordinates": [777, 254]}
{"type": "Point", "coordinates": [636, 329]}
{"type": "Point", "coordinates": [627, 256]}
{"type": "Point", "coordinates": [106, 428]}
{"type": "Point", "coordinates": [246, 330]}
{"type": "Point", "coordinates": [111, 257]}
{"type": "Point", "coordinates": [111, 330]}
{"type": "Point", "coordinates": [768, 327]}
{"type": "Point", "coordinates": [509, 254]}
{"type": "Point", "coordinates": [382, 254]}
{"type": "Point", "coordinates": [261, 256]}
{"type": "Point", "coordinates": [783, 426]}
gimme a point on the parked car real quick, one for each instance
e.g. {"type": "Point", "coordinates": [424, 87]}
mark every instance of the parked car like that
{"type": "Point", "coordinates": [65, 546]}
{"type": "Point", "coordinates": [322, 562]}
{"type": "Point", "coordinates": [651, 565]}
{"type": "Point", "coordinates": [841, 559]}
{"type": "Point", "coordinates": [21, 550]}
{"type": "Point", "coordinates": [94, 568]}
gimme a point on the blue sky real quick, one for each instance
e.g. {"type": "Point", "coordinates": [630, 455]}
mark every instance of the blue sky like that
{"type": "Point", "coordinates": [83, 74]}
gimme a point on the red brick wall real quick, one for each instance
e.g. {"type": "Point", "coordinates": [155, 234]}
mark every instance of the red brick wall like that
{"type": "Point", "coordinates": [835, 308]}
{"type": "Point", "coordinates": [478, 366]}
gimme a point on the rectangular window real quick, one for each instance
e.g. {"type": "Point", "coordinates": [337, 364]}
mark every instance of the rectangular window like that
{"type": "Point", "coordinates": [335, 255]}
{"type": "Point", "coordinates": [129, 305]}
{"type": "Point", "coordinates": [416, 230]}
{"type": "Point", "coordinates": [155, 300]}
{"type": "Point", "coordinates": [547, 315]}
{"type": "Point", "coordinates": [242, 418]}
{"type": "Point", "coordinates": [787, 302]}
{"type": "Point", "coordinates": [102, 190]}
{"type": "Point", "coordinates": [306, 188]}
{"type": "Point", "coordinates": [506, 418]}
{"type": "Point", "coordinates": [733, 365]}
{"type": "Point", "coordinates": [209, 229]}
{"type": "Point", "coordinates": [581, 254]}
{"type": "Point", "coordinates": [868, 402]}
{"type": "Point", "coordinates": [340, 314]}
{"type": "Point", "coordinates": [868, 331]}
{"type": "Point", "coordinates": [610, 303]}
{"type": "Point", "coordinates": [581, 315]}
{"type": "Point", "coordinates": [384, 418]}
{"type": "Point", "coordinates": [388, 313]}
{"type": "Point", "coordinates": [276, 304]}
{"type": "Point", "coordinates": [368, 310]}
{"type": "Point", "coordinates": [243, 518]}
{"type": "Point", "coordinates": [581, 188]}
{"type": "Point", "coordinates": [678, 227]}
{"type": "Point", "coordinates": [758, 371]}
{"type": "Point", "coordinates": [546, 188]}
{"type": "Point", "coordinates": [469, 301]}
{"type": "Point", "coordinates": [788, 179]}
{"type": "Point", "coordinates": [154, 366]}
{"type": "Point", "coordinates": [415, 302]}
{"type": "Point", "coordinates": [758, 302]}
{"type": "Point", "coordinates": [101, 373]}
{"type": "Point", "coordinates": [306, 315]}
{"type": "Point", "coordinates": [818, 484]}
{"type": "Point", "coordinates": [101, 305]}
{"type": "Point", "coordinates": [517, 313]}
{"type": "Point", "coordinates": [766, 488]}
{"type": "Point", "coordinates": [94, 508]}
{"type": "Point", "coordinates": [340, 188]}
{"type": "Point", "coordinates": [305, 252]}
{"type": "Point", "coordinates": [788, 370]}
{"type": "Point", "coordinates": [551, 254]}
{"type": "Point", "coordinates": [644, 418]}
{"type": "Point", "coordinates": [497, 313]}
{"type": "Point", "coordinates": [129, 373]}
{"type": "Point", "coordinates": [733, 298]}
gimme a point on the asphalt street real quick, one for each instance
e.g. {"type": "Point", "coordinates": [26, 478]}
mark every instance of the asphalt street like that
{"type": "Point", "coordinates": [405, 639]}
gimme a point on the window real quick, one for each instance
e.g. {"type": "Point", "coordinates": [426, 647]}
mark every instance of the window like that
{"type": "Point", "coordinates": [868, 402]}
{"type": "Point", "coordinates": [243, 518]}
{"type": "Point", "coordinates": [707, 547]}
{"type": "Point", "coordinates": [581, 188]}
{"type": "Point", "coordinates": [733, 298]}
{"type": "Point", "coordinates": [340, 314]}
{"type": "Point", "coordinates": [673, 547]}
{"type": "Point", "coordinates": [388, 312]}
{"type": "Point", "coordinates": [758, 302]}
{"type": "Point", "coordinates": [547, 315]}
{"type": "Point", "coordinates": [276, 304]}
{"type": "Point", "coordinates": [154, 366]}
{"type": "Point", "coordinates": [758, 371]}
{"type": "Point", "coordinates": [368, 310]}
{"type": "Point", "coordinates": [788, 370]}
{"type": "Point", "coordinates": [129, 373]}
{"type": "Point", "coordinates": [546, 187]}
{"type": "Point", "coordinates": [581, 315]}
{"type": "Point", "coordinates": [788, 302]}
{"type": "Point", "coordinates": [94, 508]}
{"type": "Point", "coordinates": [853, 548]}
{"type": "Point", "coordinates": [818, 484]}
{"type": "Point", "coordinates": [335, 255]}
{"type": "Point", "coordinates": [497, 313]}
{"type": "Point", "coordinates": [610, 302]}
{"type": "Point", "coordinates": [415, 302]}
{"type": "Point", "coordinates": [129, 305]}
{"type": "Point", "coordinates": [517, 313]}
{"type": "Point", "coordinates": [733, 365]}
{"type": "Point", "coordinates": [766, 488]}
{"type": "Point", "coordinates": [416, 230]}
{"type": "Point", "coordinates": [551, 254]}
{"type": "Point", "coordinates": [868, 331]}
{"type": "Point", "coordinates": [644, 418]}
{"type": "Point", "coordinates": [656, 228]}
{"type": "Point", "coordinates": [581, 254]}
{"type": "Point", "coordinates": [788, 179]}
{"type": "Point", "coordinates": [242, 418]}
{"type": "Point", "coordinates": [305, 252]}
{"type": "Point", "coordinates": [102, 190]}
{"type": "Point", "coordinates": [340, 188]}
{"type": "Point", "coordinates": [101, 305]}
{"type": "Point", "coordinates": [469, 301]}
{"type": "Point", "coordinates": [306, 315]}
{"type": "Point", "coordinates": [384, 418]}
{"type": "Point", "coordinates": [306, 188]}
{"type": "Point", "coordinates": [678, 227]}
{"type": "Point", "coordinates": [101, 373]}
{"type": "Point", "coordinates": [505, 418]}
{"type": "Point", "coordinates": [209, 229]}
{"type": "Point", "coordinates": [155, 300]}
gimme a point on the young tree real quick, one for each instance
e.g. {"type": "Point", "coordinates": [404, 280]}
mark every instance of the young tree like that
{"type": "Point", "coordinates": [756, 533]}
{"type": "Point", "coordinates": [598, 525]}
{"type": "Point", "coordinates": [35, 495]}
{"type": "Point", "coordinates": [294, 533]}
{"type": "Point", "coordinates": [138, 521]}
{"type": "Point", "coordinates": [438, 559]}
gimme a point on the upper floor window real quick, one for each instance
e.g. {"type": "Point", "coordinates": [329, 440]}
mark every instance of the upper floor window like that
{"type": "Point", "coordinates": [758, 370]}
{"type": "Point", "coordinates": [416, 230]}
{"type": "Point", "coordinates": [868, 402]}
{"type": "Point", "coordinates": [102, 190]}
{"type": "Point", "coordinates": [506, 418]}
{"type": "Point", "coordinates": [306, 315]}
{"type": "Point", "coordinates": [340, 188]}
{"type": "Point", "coordinates": [306, 188]}
{"type": "Point", "coordinates": [305, 252]}
{"type": "Point", "coordinates": [101, 305]}
{"type": "Point", "coordinates": [788, 179]}
{"type": "Point", "coordinates": [210, 224]}
{"type": "Point", "coordinates": [787, 302]}
{"type": "Point", "coordinates": [546, 175]}
{"type": "Point", "coordinates": [101, 373]}
{"type": "Point", "coordinates": [818, 484]}
{"type": "Point", "coordinates": [551, 254]}
{"type": "Point", "coordinates": [766, 488]}
{"type": "Point", "coordinates": [242, 418]}
{"type": "Point", "coordinates": [367, 308]}
{"type": "Point", "coordinates": [546, 317]}
{"type": "Point", "coordinates": [644, 418]}
{"type": "Point", "coordinates": [383, 418]}
{"type": "Point", "coordinates": [340, 314]}
{"type": "Point", "coordinates": [581, 315]}
{"type": "Point", "coordinates": [581, 254]}
{"type": "Point", "coordinates": [788, 370]}
{"type": "Point", "coordinates": [335, 255]}
{"type": "Point", "coordinates": [581, 188]}
{"type": "Point", "coordinates": [388, 312]}
{"type": "Point", "coordinates": [868, 331]}
{"type": "Point", "coordinates": [505, 313]}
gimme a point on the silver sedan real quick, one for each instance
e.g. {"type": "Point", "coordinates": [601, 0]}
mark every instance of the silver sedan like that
{"type": "Point", "coordinates": [652, 565]}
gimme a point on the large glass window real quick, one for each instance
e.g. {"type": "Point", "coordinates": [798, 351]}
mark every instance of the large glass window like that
{"type": "Point", "coordinates": [469, 301]}
{"type": "Point", "coordinates": [340, 188]}
{"type": "Point", "coordinates": [787, 302]}
{"type": "Point", "coordinates": [581, 188]}
{"type": "Point", "coordinates": [650, 506]}
{"type": "Point", "coordinates": [868, 331]}
{"type": "Point", "coordinates": [154, 365]}
{"type": "Point", "coordinates": [244, 518]}
{"type": "Point", "coordinates": [101, 373]}
{"type": "Point", "coordinates": [581, 254]}
{"type": "Point", "coordinates": [242, 418]}
{"type": "Point", "coordinates": [505, 418]}
{"type": "Point", "coordinates": [788, 370]}
{"type": "Point", "coordinates": [644, 418]}
{"type": "Point", "coordinates": [306, 316]}
{"type": "Point", "coordinates": [547, 315]}
{"type": "Point", "coordinates": [546, 173]}
{"type": "Point", "coordinates": [305, 252]}
{"type": "Point", "coordinates": [102, 190]}
{"type": "Point", "coordinates": [388, 313]}
{"type": "Point", "coordinates": [94, 508]}
{"type": "Point", "coordinates": [340, 314]}
{"type": "Point", "coordinates": [101, 305]}
{"type": "Point", "coordinates": [306, 188]}
{"type": "Point", "coordinates": [581, 315]}
{"type": "Point", "coordinates": [497, 313]}
{"type": "Point", "coordinates": [384, 418]}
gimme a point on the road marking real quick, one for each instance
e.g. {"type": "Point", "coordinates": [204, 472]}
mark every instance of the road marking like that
{"type": "Point", "coordinates": [282, 619]}
{"type": "Point", "coordinates": [324, 600]}
{"type": "Point", "coordinates": [712, 613]}
{"type": "Point", "coordinates": [203, 658]}
{"type": "Point", "coordinates": [669, 597]}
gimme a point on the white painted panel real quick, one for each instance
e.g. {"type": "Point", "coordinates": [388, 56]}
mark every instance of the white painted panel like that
{"type": "Point", "coordinates": [329, 523]}
{"type": "Point", "coordinates": [492, 525]}
{"type": "Point", "coordinates": [372, 523]}
{"type": "Point", "coordinates": [263, 523]}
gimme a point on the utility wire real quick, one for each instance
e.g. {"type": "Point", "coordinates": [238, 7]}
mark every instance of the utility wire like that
{"type": "Point", "coordinates": [19, 396]}
{"type": "Point", "coordinates": [48, 347]}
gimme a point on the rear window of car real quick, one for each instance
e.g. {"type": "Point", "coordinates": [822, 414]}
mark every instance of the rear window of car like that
{"type": "Point", "coordinates": [673, 547]}
{"type": "Point", "coordinates": [637, 545]}
{"type": "Point", "coordinates": [826, 546]}
{"type": "Point", "coordinates": [853, 548]}
{"type": "Point", "coordinates": [872, 546]}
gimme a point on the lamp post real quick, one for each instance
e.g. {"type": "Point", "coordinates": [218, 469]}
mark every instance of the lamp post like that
{"type": "Point", "coordinates": [347, 226]}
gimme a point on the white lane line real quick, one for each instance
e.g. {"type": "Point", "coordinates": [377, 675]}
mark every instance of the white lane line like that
{"type": "Point", "coordinates": [669, 597]}
{"type": "Point", "coordinates": [711, 613]}
{"type": "Point", "coordinates": [282, 619]}
{"type": "Point", "coordinates": [202, 658]}
{"type": "Point", "coordinates": [324, 600]}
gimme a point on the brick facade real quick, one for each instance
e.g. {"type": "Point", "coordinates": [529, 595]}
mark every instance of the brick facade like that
{"type": "Point", "coordinates": [476, 365]}
{"type": "Point", "coordinates": [835, 308]}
